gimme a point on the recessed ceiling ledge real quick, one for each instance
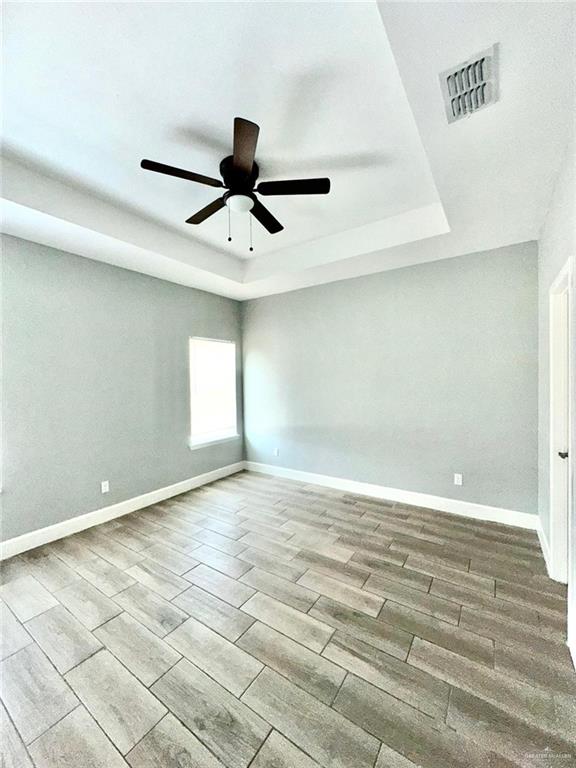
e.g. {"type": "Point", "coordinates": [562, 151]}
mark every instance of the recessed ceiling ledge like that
{"type": "Point", "coordinates": [410, 226]}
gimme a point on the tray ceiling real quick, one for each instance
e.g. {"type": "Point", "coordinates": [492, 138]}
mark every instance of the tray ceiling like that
{"type": "Point", "coordinates": [91, 88]}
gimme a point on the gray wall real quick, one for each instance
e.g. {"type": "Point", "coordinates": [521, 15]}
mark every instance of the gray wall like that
{"type": "Point", "coordinates": [403, 378]}
{"type": "Point", "coordinates": [557, 244]}
{"type": "Point", "coordinates": [96, 383]}
{"type": "Point", "coordinates": [400, 378]}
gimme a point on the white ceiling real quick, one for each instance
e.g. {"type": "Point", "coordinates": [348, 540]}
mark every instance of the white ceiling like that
{"type": "Point", "coordinates": [348, 90]}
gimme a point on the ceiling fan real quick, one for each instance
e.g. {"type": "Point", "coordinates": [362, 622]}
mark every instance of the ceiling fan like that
{"type": "Point", "coordinates": [239, 172]}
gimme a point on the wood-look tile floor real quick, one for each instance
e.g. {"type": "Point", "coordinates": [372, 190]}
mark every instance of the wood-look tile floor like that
{"type": "Point", "coordinates": [271, 624]}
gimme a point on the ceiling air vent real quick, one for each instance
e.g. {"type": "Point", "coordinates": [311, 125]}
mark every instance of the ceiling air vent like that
{"type": "Point", "coordinates": [471, 85]}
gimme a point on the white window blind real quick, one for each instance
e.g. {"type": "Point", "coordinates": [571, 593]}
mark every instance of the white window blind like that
{"type": "Point", "coordinates": [212, 390]}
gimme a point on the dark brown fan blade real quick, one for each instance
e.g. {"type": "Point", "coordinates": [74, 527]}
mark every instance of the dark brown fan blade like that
{"type": "Point", "coordinates": [295, 187]}
{"type": "Point", "coordinates": [265, 218]}
{"type": "Point", "coordinates": [245, 140]}
{"type": "Point", "coordinates": [202, 215]}
{"type": "Point", "coordinates": [169, 170]}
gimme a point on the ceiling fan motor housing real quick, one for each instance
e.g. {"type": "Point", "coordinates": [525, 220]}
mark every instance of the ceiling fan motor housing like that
{"type": "Point", "coordinates": [237, 181]}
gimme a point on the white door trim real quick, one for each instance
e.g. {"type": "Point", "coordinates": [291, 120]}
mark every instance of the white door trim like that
{"type": "Point", "coordinates": [560, 439]}
{"type": "Point", "coordinates": [562, 520]}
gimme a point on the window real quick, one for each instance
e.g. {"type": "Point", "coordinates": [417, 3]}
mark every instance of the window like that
{"type": "Point", "coordinates": [212, 391]}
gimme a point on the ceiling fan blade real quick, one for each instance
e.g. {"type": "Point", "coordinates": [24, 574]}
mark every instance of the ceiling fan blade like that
{"type": "Point", "coordinates": [265, 218]}
{"type": "Point", "coordinates": [169, 170]}
{"type": "Point", "coordinates": [295, 187]}
{"type": "Point", "coordinates": [206, 212]}
{"type": "Point", "coordinates": [245, 140]}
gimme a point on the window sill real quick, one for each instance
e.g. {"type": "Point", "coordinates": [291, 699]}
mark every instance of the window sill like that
{"type": "Point", "coordinates": [195, 444]}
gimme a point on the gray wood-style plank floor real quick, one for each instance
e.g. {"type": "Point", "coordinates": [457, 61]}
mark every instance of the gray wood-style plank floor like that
{"type": "Point", "coordinates": [267, 623]}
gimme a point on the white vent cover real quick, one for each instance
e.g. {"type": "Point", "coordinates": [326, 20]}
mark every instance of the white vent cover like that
{"type": "Point", "coordinates": [471, 85]}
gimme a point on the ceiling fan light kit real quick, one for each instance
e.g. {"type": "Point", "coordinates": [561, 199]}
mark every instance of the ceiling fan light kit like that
{"type": "Point", "coordinates": [239, 203]}
{"type": "Point", "coordinates": [239, 173]}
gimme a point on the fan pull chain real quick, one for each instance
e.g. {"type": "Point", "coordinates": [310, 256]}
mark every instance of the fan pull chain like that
{"type": "Point", "coordinates": [229, 229]}
{"type": "Point", "coordinates": [251, 248]}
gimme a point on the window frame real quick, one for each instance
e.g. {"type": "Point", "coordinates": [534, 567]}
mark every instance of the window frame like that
{"type": "Point", "coordinates": [216, 437]}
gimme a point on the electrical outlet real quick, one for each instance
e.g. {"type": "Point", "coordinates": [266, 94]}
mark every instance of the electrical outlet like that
{"type": "Point", "coordinates": [276, 451]}
{"type": "Point", "coordinates": [457, 479]}
{"type": "Point", "coordinates": [104, 486]}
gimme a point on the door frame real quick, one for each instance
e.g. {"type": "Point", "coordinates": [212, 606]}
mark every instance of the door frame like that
{"type": "Point", "coordinates": [561, 386]}
{"type": "Point", "coordinates": [562, 545]}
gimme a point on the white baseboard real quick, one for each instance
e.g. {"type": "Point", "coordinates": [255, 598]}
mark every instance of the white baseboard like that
{"type": "Point", "coordinates": [453, 506]}
{"type": "Point", "coordinates": [572, 649]}
{"type": "Point", "coordinates": [42, 536]}
{"type": "Point", "coordinates": [547, 553]}
{"type": "Point", "coordinates": [545, 547]}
